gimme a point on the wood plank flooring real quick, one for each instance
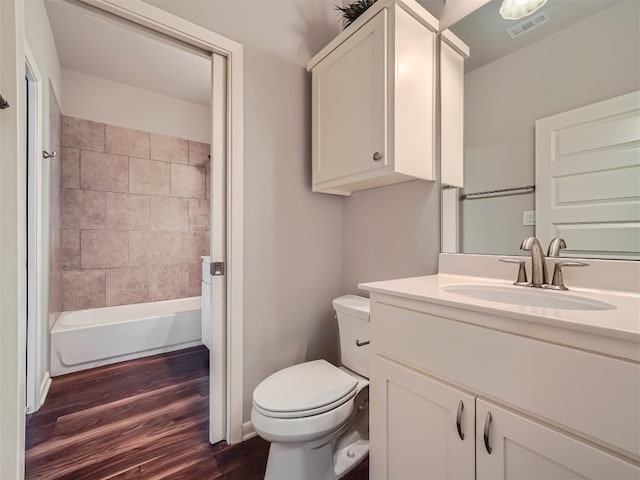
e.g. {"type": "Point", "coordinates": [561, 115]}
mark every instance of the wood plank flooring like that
{"type": "Point", "coordinates": [145, 419]}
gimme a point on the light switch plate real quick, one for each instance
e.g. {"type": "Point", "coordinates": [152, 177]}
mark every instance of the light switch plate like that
{"type": "Point", "coordinates": [529, 218]}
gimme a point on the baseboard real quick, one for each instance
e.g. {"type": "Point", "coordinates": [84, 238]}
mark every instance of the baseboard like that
{"type": "Point", "coordinates": [248, 432]}
{"type": "Point", "coordinates": [44, 388]}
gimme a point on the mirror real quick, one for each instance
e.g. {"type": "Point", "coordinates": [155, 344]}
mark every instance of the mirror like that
{"type": "Point", "coordinates": [565, 56]}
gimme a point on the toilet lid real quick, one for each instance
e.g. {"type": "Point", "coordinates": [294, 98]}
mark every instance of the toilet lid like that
{"type": "Point", "coordinates": [307, 388]}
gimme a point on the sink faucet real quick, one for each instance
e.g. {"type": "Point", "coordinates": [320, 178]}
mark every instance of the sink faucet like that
{"type": "Point", "coordinates": [538, 264]}
{"type": "Point", "coordinates": [555, 246]}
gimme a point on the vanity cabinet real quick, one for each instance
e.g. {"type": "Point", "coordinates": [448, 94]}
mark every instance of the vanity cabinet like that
{"type": "Point", "coordinates": [555, 411]}
{"type": "Point", "coordinates": [373, 101]}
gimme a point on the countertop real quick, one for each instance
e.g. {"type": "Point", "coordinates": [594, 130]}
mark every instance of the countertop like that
{"type": "Point", "coordinates": [621, 323]}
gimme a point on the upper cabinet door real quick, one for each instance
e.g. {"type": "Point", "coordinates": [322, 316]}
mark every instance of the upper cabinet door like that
{"type": "Point", "coordinates": [420, 428]}
{"type": "Point", "coordinates": [521, 448]}
{"type": "Point", "coordinates": [349, 105]}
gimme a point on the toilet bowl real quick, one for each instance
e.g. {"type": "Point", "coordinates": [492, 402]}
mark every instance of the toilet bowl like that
{"type": "Point", "coordinates": [316, 414]}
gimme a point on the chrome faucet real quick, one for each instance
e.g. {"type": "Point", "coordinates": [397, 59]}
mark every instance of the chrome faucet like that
{"type": "Point", "coordinates": [538, 264]}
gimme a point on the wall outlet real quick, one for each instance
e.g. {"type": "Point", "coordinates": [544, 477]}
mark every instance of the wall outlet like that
{"type": "Point", "coordinates": [529, 218]}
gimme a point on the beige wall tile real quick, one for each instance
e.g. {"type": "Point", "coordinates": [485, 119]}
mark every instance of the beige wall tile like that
{"type": "Point", "coordinates": [70, 167]}
{"type": "Point", "coordinates": [83, 209]}
{"type": "Point", "coordinates": [195, 280]}
{"type": "Point", "coordinates": [104, 171]}
{"type": "Point", "coordinates": [104, 248]}
{"type": "Point", "coordinates": [78, 133]}
{"type": "Point", "coordinates": [70, 249]}
{"type": "Point", "coordinates": [155, 248]}
{"type": "Point", "coordinates": [83, 289]}
{"type": "Point", "coordinates": [149, 176]}
{"type": "Point", "coordinates": [168, 281]}
{"type": "Point", "coordinates": [125, 286]}
{"type": "Point", "coordinates": [194, 246]}
{"type": "Point", "coordinates": [199, 154]}
{"type": "Point", "coordinates": [187, 181]}
{"type": "Point", "coordinates": [169, 149]}
{"type": "Point", "coordinates": [126, 141]}
{"type": "Point", "coordinates": [169, 213]}
{"type": "Point", "coordinates": [199, 214]}
{"type": "Point", "coordinates": [125, 211]}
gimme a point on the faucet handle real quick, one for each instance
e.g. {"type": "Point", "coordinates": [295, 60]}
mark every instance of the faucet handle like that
{"type": "Point", "coordinates": [558, 281]}
{"type": "Point", "coordinates": [555, 246]}
{"type": "Point", "coordinates": [522, 272]}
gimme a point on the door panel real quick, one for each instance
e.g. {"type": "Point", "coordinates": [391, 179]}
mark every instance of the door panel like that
{"type": "Point", "coordinates": [351, 116]}
{"type": "Point", "coordinates": [413, 426]}
{"type": "Point", "coordinates": [524, 449]}
{"type": "Point", "coordinates": [588, 178]}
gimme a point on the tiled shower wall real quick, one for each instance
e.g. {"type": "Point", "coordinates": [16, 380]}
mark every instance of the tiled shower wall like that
{"type": "Point", "coordinates": [135, 215]}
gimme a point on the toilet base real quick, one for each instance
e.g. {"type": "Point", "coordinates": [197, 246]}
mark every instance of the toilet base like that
{"type": "Point", "coordinates": [313, 460]}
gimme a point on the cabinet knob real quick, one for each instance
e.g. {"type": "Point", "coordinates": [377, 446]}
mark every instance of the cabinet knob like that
{"type": "Point", "coordinates": [377, 156]}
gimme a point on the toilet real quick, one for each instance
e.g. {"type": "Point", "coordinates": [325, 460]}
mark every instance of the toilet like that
{"type": "Point", "coordinates": [316, 415]}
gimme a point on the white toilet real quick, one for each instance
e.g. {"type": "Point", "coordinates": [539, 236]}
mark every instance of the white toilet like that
{"type": "Point", "coordinates": [316, 415]}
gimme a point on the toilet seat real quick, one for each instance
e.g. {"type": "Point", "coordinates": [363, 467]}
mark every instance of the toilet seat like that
{"type": "Point", "coordinates": [304, 390]}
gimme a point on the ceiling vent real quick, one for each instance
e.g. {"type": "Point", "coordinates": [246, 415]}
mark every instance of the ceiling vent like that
{"type": "Point", "coordinates": [528, 25]}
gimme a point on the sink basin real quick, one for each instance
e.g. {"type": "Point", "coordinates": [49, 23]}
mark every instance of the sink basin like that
{"type": "Point", "coordinates": [532, 297]}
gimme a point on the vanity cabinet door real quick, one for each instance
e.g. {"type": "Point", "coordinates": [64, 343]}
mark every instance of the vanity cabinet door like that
{"type": "Point", "coordinates": [524, 449]}
{"type": "Point", "coordinates": [414, 426]}
{"type": "Point", "coordinates": [349, 105]}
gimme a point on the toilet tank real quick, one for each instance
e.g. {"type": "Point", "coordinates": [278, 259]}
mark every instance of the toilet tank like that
{"type": "Point", "coordinates": [352, 313]}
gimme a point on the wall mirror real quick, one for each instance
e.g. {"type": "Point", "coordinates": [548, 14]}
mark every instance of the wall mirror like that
{"type": "Point", "coordinates": [566, 56]}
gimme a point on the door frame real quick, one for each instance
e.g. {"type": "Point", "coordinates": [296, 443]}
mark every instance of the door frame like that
{"type": "Point", "coordinates": [226, 384]}
{"type": "Point", "coordinates": [37, 381]}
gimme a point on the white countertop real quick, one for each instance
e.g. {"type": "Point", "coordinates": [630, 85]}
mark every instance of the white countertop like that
{"type": "Point", "coordinates": [622, 323]}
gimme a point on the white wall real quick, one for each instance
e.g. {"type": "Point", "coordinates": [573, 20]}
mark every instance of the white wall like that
{"type": "Point", "coordinates": [391, 232]}
{"type": "Point", "coordinates": [93, 98]}
{"type": "Point", "coordinates": [293, 237]}
{"type": "Point", "coordinates": [12, 241]}
{"type": "Point", "coordinates": [590, 61]}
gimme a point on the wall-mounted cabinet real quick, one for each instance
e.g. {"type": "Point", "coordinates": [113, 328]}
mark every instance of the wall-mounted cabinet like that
{"type": "Point", "coordinates": [373, 101]}
{"type": "Point", "coordinates": [453, 52]}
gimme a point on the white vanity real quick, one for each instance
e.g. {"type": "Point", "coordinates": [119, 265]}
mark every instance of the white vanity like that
{"type": "Point", "coordinates": [464, 387]}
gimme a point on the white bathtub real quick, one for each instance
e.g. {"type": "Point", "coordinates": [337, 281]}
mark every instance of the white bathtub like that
{"type": "Point", "coordinates": [99, 336]}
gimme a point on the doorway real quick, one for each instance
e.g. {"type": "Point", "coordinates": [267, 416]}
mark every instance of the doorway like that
{"type": "Point", "coordinates": [135, 116]}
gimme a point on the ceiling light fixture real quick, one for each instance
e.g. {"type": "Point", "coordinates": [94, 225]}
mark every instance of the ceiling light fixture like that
{"type": "Point", "coordinates": [514, 9]}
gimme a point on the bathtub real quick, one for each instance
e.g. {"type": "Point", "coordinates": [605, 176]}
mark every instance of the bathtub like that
{"type": "Point", "coordinates": [99, 336]}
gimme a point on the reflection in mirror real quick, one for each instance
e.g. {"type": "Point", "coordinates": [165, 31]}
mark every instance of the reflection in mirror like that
{"type": "Point", "coordinates": [567, 55]}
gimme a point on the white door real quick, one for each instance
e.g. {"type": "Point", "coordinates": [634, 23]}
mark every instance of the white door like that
{"type": "Point", "coordinates": [588, 178]}
{"type": "Point", "coordinates": [349, 117]}
{"type": "Point", "coordinates": [420, 428]}
{"type": "Point", "coordinates": [510, 446]}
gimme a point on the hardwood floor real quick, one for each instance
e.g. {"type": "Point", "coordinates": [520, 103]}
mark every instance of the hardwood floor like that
{"type": "Point", "coordinates": [145, 419]}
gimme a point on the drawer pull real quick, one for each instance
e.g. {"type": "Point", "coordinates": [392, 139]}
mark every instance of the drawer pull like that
{"type": "Point", "coordinates": [362, 344]}
{"type": "Point", "coordinates": [487, 427]}
{"type": "Point", "coordinates": [459, 420]}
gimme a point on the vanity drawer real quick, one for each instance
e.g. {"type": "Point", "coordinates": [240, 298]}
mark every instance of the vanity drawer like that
{"type": "Point", "coordinates": [594, 396]}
